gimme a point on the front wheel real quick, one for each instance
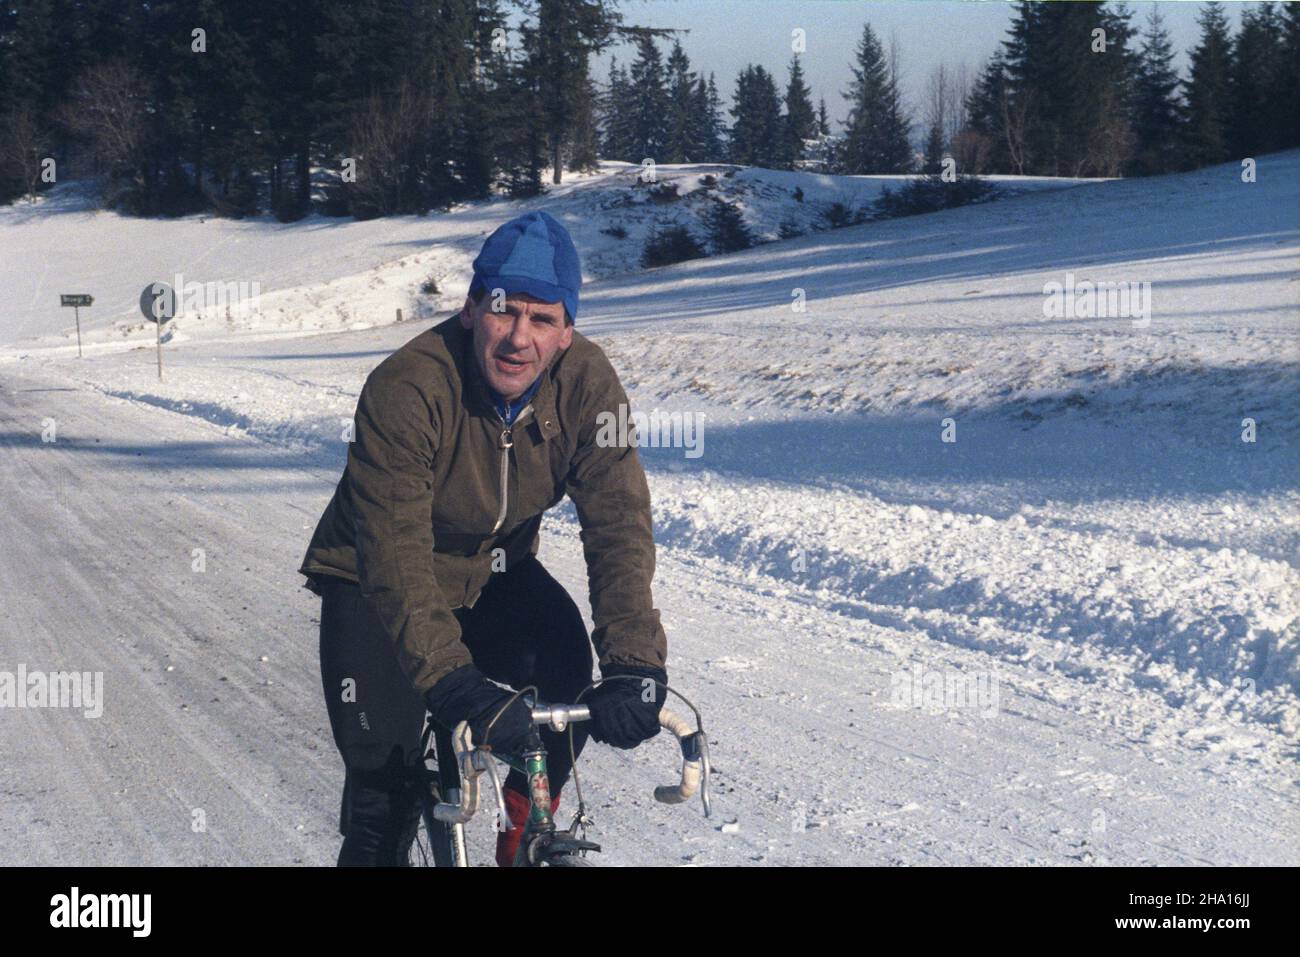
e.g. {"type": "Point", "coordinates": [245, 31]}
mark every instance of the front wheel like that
{"type": "Point", "coordinates": [435, 842]}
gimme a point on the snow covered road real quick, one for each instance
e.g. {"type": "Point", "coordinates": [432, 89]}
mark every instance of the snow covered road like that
{"type": "Point", "coordinates": [99, 529]}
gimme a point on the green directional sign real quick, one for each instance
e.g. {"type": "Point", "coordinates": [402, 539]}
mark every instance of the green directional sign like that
{"type": "Point", "coordinates": [78, 299]}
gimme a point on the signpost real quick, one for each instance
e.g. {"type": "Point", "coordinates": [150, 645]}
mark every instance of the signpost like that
{"type": "Point", "coordinates": [76, 301]}
{"type": "Point", "coordinates": [158, 303]}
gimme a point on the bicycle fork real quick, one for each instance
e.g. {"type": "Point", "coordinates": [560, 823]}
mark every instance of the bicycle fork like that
{"type": "Point", "coordinates": [540, 831]}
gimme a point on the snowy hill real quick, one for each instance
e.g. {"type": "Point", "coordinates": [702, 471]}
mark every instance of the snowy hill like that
{"type": "Point", "coordinates": [1096, 541]}
{"type": "Point", "coordinates": [324, 274]}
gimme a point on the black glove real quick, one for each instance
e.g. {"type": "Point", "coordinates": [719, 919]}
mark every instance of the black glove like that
{"type": "Point", "coordinates": [465, 695]}
{"type": "Point", "coordinates": [624, 712]}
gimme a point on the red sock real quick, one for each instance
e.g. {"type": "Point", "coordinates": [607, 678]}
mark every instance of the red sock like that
{"type": "Point", "coordinates": [517, 807]}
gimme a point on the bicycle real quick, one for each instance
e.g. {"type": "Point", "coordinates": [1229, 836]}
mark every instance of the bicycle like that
{"type": "Point", "coordinates": [451, 789]}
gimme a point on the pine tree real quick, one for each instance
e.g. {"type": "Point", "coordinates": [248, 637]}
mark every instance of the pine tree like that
{"type": "Point", "coordinates": [475, 136]}
{"type": "Point", "coordinates": [103, 30]}
{"type": "Point", "coordinates": [1155, 122]}
{"type": "Point", "coordinates": [1258, 116]}
{"type": "Point", "coordinates": [671, 244]}
{"type": "Point", "coordinates": [568, 32]}
{"type": "Point", "coordinates": [1288, 77]}
{"type": "Point", "coordinates": [683, 138]}
{"type": "Point", "coordinates": [1028, 93]}
{"type": "Point", "coordinates": [416, 93]}
{"type": "Point", "coordinates": [449, 33]}
{"type": "Point", "coordinates": [898, 127]}
{"type": "Point", "coordinates": [1068, 104]}
{"type": "Point", "coordinates": [583, 149]}
{"type": "Point", "coordinates": [708, 108]}
{"type": "Point", "coordinates": [934, 151]}
{"type": "Point", "coordinates": [1209, 91]}
{"type": "Point", "coordinates": [371, 64]}
{"type": "Point", "coordinates": [820, 156]}
{"type": "Point", "coordinates": [284, 109]}
{"type": "Point", "coordinates": [983, 145]}
{"type": "Point", "coordinates": [756, 132]}
{"type": "Point", "coordinates": [522, 144]}
{"type": "Point", "coordinates": [726, 227]}
{"type": "Point", "coordinates": [876, 135]}
{"type": "Point", "coordinates": [169, 70]}
{"type": "Point", "coordinates": [1108, 100]}
{"type": "Point", "coordinates": [707, 143]}
{"type": "Point", "coordinates": [362, 48]}
{"type": "Point", "coordinates": [615, 119]}
{"type": "Point", "coordinates": [227, 103]}
{"type": "Point", "coordinates": [799, 123]}
{"type": "Point", "coordinates": [30, 58]}
{"type": "Point", "coordinates": [647, 104]}
{"type": "Point", "coordinates": [29, 40]}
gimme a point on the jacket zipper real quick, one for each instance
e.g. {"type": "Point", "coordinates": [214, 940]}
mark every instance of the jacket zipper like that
{"type": "Point", "coordinates": [507, 442]}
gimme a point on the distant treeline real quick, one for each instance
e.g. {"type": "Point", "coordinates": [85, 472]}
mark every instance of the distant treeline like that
{"type": "Point", "coordinates": [373, 107]}
{"type": "Point", "coordinates": [1047, 104]}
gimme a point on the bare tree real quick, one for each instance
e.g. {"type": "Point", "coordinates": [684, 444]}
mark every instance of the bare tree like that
{"type": "Point", "coordinates": [1111, 144]}
{"type": "Point", "coordinates": [1015, 120]}
{"type": "Point", "coordinates": [107, 109]}
{"type": "Point", "coordinates": [385, 136]}
{"type": "Point", "coordinates": [23, 145]}
{"type": "Point", "coordinates": [955, 116]}
{"type": "Point", "coordinates": [945, 101]}
{"type": "Point", "coordinates": [937, 93]}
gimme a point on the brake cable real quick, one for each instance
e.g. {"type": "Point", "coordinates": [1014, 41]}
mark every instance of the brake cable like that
{"type": "Point", "coordinates": [580, 819]}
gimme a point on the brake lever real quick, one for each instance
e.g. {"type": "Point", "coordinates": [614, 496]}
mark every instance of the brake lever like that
{"type": "Point", "coordinates": [470, 770]}
{"type": "Point", "coordinates": [699, 744]}
{"type": "Point", "coordinates": [490, 766]}
{"type": "Point", "coordinates": [474, 762]}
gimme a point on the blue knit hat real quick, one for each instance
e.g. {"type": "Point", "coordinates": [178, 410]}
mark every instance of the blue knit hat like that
{"type": "Point", "coordinates": [534, 254]}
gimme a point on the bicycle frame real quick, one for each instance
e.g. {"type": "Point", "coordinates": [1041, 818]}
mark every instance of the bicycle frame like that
{"type": "Point", "coordinates": [532, 763]}
{"type": "Point", "coordinates": [540, 819]}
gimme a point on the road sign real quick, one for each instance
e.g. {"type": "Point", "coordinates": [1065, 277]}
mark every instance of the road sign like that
{"type": "Point", "coordinates": [158, 303]}
{"type": "Point", "coordinates": [76, 300]}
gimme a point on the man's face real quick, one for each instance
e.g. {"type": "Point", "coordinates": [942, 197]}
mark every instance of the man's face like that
{"type": "Point", "coordinates": [516, 345]}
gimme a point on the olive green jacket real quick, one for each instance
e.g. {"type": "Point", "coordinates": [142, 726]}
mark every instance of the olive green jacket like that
{"type": "Point", "coordinates": [438, 494]}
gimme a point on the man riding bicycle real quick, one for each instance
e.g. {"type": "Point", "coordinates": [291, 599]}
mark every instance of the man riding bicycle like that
{"type": "Point", "coordinates": [426, 556]}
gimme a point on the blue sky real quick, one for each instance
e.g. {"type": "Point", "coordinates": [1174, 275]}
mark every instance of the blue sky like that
{"type": "Point", "coordinates": [724, 35]}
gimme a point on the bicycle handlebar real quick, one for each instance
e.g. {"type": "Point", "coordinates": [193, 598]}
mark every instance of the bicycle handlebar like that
{"type": "Point", "coordinates": [475, 761]}
{"type": "Point", "coordinates": [695, 763]}
{"type": "Point", "coordinates": [559, 716]}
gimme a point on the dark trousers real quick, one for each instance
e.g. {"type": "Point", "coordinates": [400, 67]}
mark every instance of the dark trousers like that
{"type": "Point", "coordinates": [523, 630]}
